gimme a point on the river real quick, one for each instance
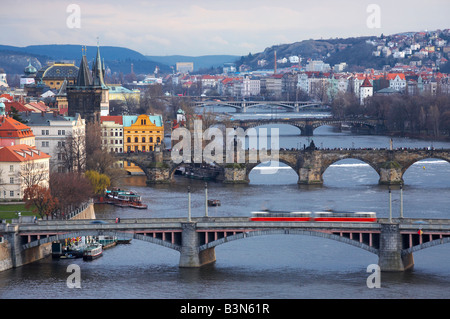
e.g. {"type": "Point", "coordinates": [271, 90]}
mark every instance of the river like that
{"type": "Point", "coordinates": [269, 267]}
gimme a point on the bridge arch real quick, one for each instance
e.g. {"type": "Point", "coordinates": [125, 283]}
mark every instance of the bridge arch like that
{"type": "Point", "coordinates": [348, 157]}
{"type": "Point", "coordinates": [139, 164]}
{"type": "Point", "coordinates": [421, 158]}
{"type": "Point", "coordinates": [432, 243]}
{"type": "Point", "coordinates": [94, 232]}
{"type": "Point", "coordinates": [288, 232]}
{"type": "Point", "coordinates": [258, 124]}
{"type": "Point", "coordinates": [362, 123]}
{"type": "Point", "coordinates": [251, 166]}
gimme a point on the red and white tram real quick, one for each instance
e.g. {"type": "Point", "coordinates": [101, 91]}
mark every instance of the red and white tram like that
{"type": "Point", "coordinates": [324, 216]}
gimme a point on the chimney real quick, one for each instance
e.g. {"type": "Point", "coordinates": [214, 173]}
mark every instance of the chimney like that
{"type": "Point", "coordinates": [275, 63]}
{"type": "Point", "coordinates": [42, 113]}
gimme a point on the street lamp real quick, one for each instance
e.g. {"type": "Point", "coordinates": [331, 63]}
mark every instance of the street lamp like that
{"type": "Point", "coordinates": [206, 199]}
{"type": "Point", "coordinates": [189, 204]}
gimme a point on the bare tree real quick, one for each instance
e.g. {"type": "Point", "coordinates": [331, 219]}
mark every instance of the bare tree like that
{"type": "Point", "coordinates": [72, 153]}
{"type": "Point", "coordinates": [34, 173]}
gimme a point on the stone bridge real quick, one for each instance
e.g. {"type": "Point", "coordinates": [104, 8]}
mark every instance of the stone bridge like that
{"type": "Point", "coordinates": [242, 105]}
{"type": "Point", "coordinates": [308, 125]}
{"type": "Point", "coordinates": [310, 165]}
{"type": "Point", "coordinates": [394, 241]}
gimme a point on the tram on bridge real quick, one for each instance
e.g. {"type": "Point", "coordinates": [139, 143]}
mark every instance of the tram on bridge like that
{"type": "Point", "coordinates": [324, 216]}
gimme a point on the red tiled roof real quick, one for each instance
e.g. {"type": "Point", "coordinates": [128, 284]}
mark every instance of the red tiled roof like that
{"type": "Point", "coordinates": [21, 153]}
{"type": "Point", "coordinates": [366, 83]}
{"type": "Point", "coordinates": [38, 105]}
{"type": "Point", "coordinates": [392, 76]}
{"type": "Point", "coordinates": [9, 128]}
{"type": "Point", "coordinates": [17, 105]}
{"type": "Point", "coordinates": [112, 118]}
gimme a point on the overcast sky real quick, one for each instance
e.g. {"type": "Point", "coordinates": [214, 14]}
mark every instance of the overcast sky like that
{"type": "Point", "coordinates": [202, 27]}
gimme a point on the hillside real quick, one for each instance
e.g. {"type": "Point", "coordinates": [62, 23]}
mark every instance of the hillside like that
{"type": "Point", "coordinates": [358, 52]}
{"type": "Point", "coordinates": [200, 62]}
{"type": "Point", "coordinates": [118, 59]}
{"type": "Point", "coordinates": [351, 50]}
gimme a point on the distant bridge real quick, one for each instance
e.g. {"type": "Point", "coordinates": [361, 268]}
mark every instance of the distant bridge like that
{"type": "Point", "coordinates": [393, 240]}
{"type": "Point", "coordinates": [243, 105]}
{"type": "Point", "coordinates": [308, 125]}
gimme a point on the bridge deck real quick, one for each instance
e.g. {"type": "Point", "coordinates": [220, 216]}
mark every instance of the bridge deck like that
{"type": "Point", "coordinates": [134, 224]}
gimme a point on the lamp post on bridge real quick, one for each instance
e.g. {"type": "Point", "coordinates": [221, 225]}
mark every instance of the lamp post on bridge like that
{"type": "Point", "coordinates": [401, 201]}
{"type": "Point", "coordinates": [206, 199]}
{"type": "Point", "coordinates": [189, 204]}
{"type": "Point", "coordinates": [390, 205]}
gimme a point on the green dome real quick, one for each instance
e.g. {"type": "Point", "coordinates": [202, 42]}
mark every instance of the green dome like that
{"type": "Point", "coordinates": [30, 69]}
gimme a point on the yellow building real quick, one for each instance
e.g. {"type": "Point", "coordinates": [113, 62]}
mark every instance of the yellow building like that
{"type": "Point", "coordinates": [54, 74]}
{"type": "Point", "coordinates": [119, 93]}
{"type": "Point", "coordinates": [142, 132]}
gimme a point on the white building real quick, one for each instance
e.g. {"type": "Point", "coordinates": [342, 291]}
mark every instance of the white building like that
{"type": "Point", "coordinates": [112, 133]}
{"type": "Point", "coordinates": [317, 66]}
{"type": "Point", "coordinates": [51, 131]}
{"type": "Point", "coordinates": [22, 166]}
{"type": "Point", "coordinates": [397, 81]}
{"type": "Point", "coordinates": [250, 87]}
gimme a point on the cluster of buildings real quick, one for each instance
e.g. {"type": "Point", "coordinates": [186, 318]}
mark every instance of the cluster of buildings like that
{"type": "Point", "coordinates": [51, 109]}
{"type": "Point", "coordinates": [415, 46]}
{"type": "Point", "coordinates": [324, 86]}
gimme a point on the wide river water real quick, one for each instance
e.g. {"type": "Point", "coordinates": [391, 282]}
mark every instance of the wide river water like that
{"type": "Point", "coordinates": [276, 266]}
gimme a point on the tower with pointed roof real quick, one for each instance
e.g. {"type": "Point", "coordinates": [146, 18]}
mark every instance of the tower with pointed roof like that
{"type": "Point", "coordinates": [365, 90]}
{"type": "Point", "coordinates": [89, 95]}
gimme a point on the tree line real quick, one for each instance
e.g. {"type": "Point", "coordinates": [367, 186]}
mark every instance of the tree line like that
{"type": "Point", "coordinates": [402, 114]}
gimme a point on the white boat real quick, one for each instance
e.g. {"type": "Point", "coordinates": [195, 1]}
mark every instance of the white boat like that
{"type": "Point", "coordinates": [93, 251]}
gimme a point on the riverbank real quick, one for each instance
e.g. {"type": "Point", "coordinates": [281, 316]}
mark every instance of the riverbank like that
{"type": "Point", "coordinates": [422, 137]}
{"type": "Point", "coordinates": [11, 257]}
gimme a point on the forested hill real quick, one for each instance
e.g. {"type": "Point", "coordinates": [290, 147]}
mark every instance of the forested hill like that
{"type": "Point", "coordinates": [14, 59]}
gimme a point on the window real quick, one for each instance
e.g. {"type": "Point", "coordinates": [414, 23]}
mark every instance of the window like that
{"type": "Point", "coordinates": [11, 168]}
{"type": "Point", "coordinates": [136, 140]}
{"type": "Point", "coordinates": [11, 193]}
{"type": "Point", "coordinates": [45, 143]}
{"type": "Point", "coordinates": [11, 180]}
{"type": "Point", "coordinates": [143, 139]}
{"type": "Point", "coordinates": [151, 140]}
{"type": "Point", "coordinates": [128, 139]}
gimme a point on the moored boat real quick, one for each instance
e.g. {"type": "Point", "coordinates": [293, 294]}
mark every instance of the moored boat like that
{"type": "Point", "coordinates": [93, 251]}
{"type": "Point", "coordinates": [124, 198]}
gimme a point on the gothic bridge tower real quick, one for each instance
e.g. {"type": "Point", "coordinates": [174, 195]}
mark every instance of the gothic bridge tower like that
{"type": "Point", "coordinates": [89, 95]}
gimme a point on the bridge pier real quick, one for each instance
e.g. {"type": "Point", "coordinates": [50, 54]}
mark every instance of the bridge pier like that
{"type": "Point", "coordinates": [235, 174]}
{"type": "Point", "coordinates": [390, 257]}
{"type": "Point", "coordinates": [13, 239]}
{"type": "Point", "coordinates": [307, 130]}
{"type": "Point", "coordinates": [190, 255]}
{"type": "Point", "coordinates": [309, 176]}
{"type": "Point", "coordinates": [391, 174]}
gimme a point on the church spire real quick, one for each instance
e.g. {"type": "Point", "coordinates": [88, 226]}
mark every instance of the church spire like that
{"type": "Point", "coordinates": [98, 70]}
{"type": "Point", "coordinates": [84, 75]}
